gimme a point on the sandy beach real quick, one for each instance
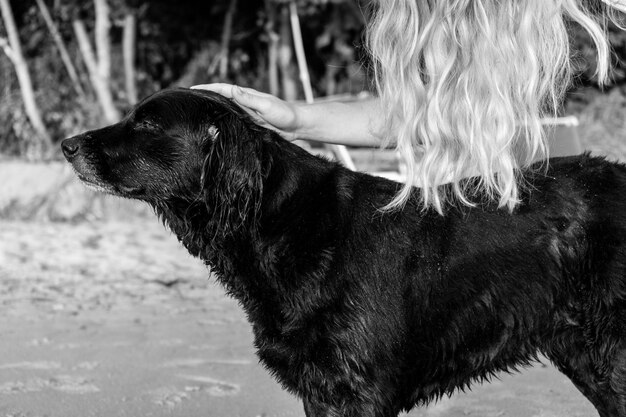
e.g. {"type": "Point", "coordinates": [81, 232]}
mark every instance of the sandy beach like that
{"type": "Point", "coordinates": [116, 319]}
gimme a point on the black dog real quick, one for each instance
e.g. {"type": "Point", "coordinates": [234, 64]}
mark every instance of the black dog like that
{"type": "Point", "coordinates": [367, 313]}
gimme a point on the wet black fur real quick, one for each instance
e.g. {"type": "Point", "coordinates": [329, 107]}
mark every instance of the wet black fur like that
{"type": "Point", "coordinates": [363, 313]}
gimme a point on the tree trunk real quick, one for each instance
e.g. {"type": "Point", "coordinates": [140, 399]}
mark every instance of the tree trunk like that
{"type": "Point", "coordinates": [298, 45]}
{"type": "Point", "coordinates": [340, 151]}
{"type": "Point", "coordinates": [129, 39]}
{"type": "Point", "coordinates": [6, 68]}
{"type": "Point", "coordinates": [99, 68]}
{"type": "Point", "coordinates": [38, 148]}
{"type": "Point", "coordinates": [103, 52]}
{"type": "Point", "coordinates": [226, 36]}
{"type": "Point", "coordinates": [289, 86]}
{"type": "Point", "coordinates": [331, 83]}
{"type": "Point", "coordinates": [65, 56]}
{"type": "Point", "coordinates": [272, 48]}
{"type": "Point", "coordinates": [103, 43]}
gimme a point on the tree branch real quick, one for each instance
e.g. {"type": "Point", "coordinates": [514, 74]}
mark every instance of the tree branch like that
{"type": "Point", "coordinates": [341, 152]}
{"type": "Point", "coordinates": [38, 147]}
{"type": "Point", "coordinates": [100, 84]}
{"type": "Point", "coordinates": [226, 36]}
{"type": "Point", "coordinates": [85, 47]}
{"type": "Point", "coordinates": [58, 40]}
{"type": "Point", "coordinates": [272, 48]}
{"type": "Point", "coordinates": [4, 44]}
{"type": "Point", "coordinates": [128, 51]}
{"type": "Point", "coordinates": [103, 47]}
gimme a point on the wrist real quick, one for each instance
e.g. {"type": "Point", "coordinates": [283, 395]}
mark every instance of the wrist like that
{"type": "Point", "coordinates": [304, 123]}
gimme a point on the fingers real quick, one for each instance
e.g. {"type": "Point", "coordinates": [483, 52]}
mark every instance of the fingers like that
{"type": "Point", "coordinates": [220, 88]}
{"type": "Point", "coordinates": [247, 97]}
{"type": "Point", "coordinates": [267, 110]}
{"type": "Point", "coordinates": [252, 99]}
{"type": "Point", "coordinates": [229, 90]}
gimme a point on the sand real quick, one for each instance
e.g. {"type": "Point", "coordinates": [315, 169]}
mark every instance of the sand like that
{"type": "Point", "coordinates": [116, 319]}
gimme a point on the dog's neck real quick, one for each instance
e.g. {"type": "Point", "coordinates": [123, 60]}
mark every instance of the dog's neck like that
{"type": "Point", "coordinates": [291, 241]}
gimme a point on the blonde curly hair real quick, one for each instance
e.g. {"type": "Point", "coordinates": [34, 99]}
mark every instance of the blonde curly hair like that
{"type": "Point", "coordinates": [466, 83]}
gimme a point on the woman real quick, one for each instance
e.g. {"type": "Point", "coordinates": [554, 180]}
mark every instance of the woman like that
{"type": "Point", "coordinates": [462, 88]}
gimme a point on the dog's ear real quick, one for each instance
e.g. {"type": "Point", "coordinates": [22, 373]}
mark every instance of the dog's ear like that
{"type": "Point", "coordinates": [232, 176]}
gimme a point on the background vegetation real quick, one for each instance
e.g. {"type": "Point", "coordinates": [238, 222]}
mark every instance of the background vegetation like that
{"type": "Point", "coordinates": [76, 65]}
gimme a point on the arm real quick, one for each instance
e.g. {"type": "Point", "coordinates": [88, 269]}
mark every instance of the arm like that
{"type": "Point", "coordinates": [357, 123]}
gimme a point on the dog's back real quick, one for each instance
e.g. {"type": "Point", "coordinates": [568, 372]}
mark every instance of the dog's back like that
{"type": "Point", "coordinates": [425, 304]}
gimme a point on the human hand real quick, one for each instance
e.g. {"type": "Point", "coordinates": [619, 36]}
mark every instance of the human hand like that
{"type": "Point", "coordinates": [267, 110]}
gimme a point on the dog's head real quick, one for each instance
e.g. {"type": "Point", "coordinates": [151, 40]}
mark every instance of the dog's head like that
{"type": "Point", "coordinates": [177, 146]}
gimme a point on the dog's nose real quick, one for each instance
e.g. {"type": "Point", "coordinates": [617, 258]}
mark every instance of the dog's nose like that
{"type": "Point", "coordinates": [70, 147]}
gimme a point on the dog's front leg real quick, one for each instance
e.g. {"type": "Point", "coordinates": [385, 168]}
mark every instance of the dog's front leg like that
{"type": "Point", "coordinates": [314, 409]}
{"type": "Point", "coordinates": [317, 409]}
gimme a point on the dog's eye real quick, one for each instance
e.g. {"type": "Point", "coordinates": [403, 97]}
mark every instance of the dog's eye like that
{"type": "Point", "coordinates": [213, 132]}
{"type": "Point", "coordinates": [147, 125]}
